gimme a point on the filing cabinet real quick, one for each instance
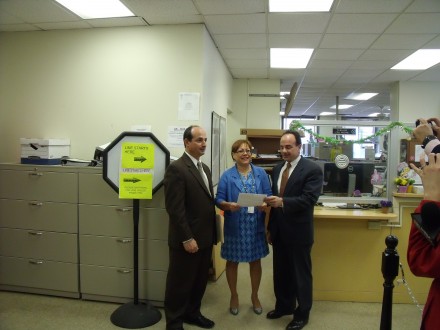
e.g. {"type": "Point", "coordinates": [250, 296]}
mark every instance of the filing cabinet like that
{"type": "Point", "coordinates": [106, 243]}
{"type": "Point", "coordinates": [38, 230]}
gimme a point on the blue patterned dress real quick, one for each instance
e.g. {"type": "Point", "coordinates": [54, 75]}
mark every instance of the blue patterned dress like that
{"type": "Point", "coordinates": [250, 245]}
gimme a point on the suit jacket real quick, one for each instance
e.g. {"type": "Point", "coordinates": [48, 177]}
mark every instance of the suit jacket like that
{"type": "Point", "coordinates": [190, 207]}
{"type": "Point", "coordinates": [424, 260]}
{"type": "Point", "coordinates": [293, 223]}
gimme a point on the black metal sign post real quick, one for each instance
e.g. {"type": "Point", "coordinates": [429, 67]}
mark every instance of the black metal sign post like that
{"type": "Point", "coordinates": [135, 315]}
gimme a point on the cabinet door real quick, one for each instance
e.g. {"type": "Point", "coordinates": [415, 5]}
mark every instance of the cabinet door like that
{"type": "Point", "coordinates": [39, 185]}
{"type": "Point", "coordinates": [38, 245]}
{"type": "Point", "coordinates": [42, 274]}
{"type": "Point", "coordinates": [94, 190]}
{"type": "Point", "coordinates": [48, 216]}
{"type": "Point", "coordinates": [119, 252]}
{"type": "Point", "coordinates": [118, 221]}
{"type": "Point", "coordinates": [118, 282]}
{"type": "Point", "coordinates": [106, 220]}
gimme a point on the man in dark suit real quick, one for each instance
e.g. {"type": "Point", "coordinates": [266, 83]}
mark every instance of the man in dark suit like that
{"type": "Point", "coordinates": [190, 205]}
{"type": "Point", "coordinates": [290, 230]}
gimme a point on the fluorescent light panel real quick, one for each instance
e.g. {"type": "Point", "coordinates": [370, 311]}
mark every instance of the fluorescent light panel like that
{"type": "Point", "coordinates": [88, 9]}
{"type": "Point", "coordinates": [420, 60]}
{"type": "Point", "coordinates": [326, 113]}
{"type": "Point", "coordinates": [290, 58]}
{"type": "Point", "coordinates": [341, 106]}
{"type": "Point", "coordinates": [360, 96]}
{"type": "Point", "coordinates": [299, 5]}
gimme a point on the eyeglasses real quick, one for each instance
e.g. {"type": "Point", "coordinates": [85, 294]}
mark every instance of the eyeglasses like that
{"type": "Point", "coordinates": [242, 152]}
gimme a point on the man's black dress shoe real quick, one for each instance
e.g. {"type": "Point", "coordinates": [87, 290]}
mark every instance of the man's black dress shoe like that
{"type": "Point", "coordinates": [296, 324]}
{"type": "Point", "coordinates": [276, 315]}
{"type": "Point", "coordinates": [200, 321]}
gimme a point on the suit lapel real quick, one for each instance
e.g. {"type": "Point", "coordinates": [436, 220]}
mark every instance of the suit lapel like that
{"type": "Point", "coordinates": [295, 174]}
{"type": "Point", "coordinates": [194, 171]}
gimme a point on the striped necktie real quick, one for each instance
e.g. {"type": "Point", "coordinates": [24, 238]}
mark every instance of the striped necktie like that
{"type": "Point", "coordinates": [284, 178]}
{"type": "Point", "coordinates": [203, 175]}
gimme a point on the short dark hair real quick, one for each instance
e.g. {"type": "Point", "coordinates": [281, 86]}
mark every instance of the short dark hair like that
{"type": "Point", "coordinates": [188, 132]}
{"type": "Point", "coordinates": [237, 145]}
{"type": "Point", "coordinates": [296, 134]}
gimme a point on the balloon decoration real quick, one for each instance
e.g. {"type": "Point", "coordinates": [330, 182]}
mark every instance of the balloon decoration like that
{"type": "Point", "coordinates": [296, 125]}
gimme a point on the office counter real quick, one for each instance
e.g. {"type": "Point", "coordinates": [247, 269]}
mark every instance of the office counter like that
{"type": "Point", "coordinates": [347, 254]}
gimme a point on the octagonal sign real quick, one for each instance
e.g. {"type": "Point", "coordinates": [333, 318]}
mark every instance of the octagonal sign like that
{"type": "Point", "coordinates": [134, 164]}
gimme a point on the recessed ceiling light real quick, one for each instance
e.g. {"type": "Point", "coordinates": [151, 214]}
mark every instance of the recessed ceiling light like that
{"type": "Point", "coordinates": [290, 58]}
{"type": "Point", "coordinates": [341, 106]}
{"type": "Point", "coordinates": [325, 113]}
{"type": "Point", "coordinates": [88, 9]}
{"type": "Point", "coordinates": [374, 114]}
{"type": "Point", "coordinates": [299, 5]}
{"type": "Point", "coordinates": [360, 96]}
{"type": "Point", "coordinates": [420, 60]}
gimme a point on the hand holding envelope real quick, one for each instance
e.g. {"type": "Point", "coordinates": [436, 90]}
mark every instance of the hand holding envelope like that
{"type": "Point", "coordinates": [245, 199]}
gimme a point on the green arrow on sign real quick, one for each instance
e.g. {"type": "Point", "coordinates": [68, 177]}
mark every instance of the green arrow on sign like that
{"type": "Point", "coordinates": [132, 180]}
{"type": "Point", "coordinates": [140, 159]}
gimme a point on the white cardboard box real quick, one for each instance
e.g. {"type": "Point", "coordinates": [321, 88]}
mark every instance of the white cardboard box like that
{"type": "Point", "coordinates": [44, 148]}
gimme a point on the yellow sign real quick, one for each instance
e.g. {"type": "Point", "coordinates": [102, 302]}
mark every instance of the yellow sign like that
{"type": "Point", "coordinates": [137, 155]}
{"type": "Point", "coordinates": [136, 174]}
{"type": "Point", "coordinates": [135, 186]}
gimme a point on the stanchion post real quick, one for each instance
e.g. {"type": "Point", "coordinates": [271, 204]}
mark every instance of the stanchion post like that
{"type": "Point", "coordinates": [390, 269]}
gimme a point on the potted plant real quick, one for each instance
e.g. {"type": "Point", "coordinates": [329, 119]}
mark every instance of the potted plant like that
{"type": "Point", "coordinates": [410, 185]}
{"type": "Point", "coordinates": [385, 205]}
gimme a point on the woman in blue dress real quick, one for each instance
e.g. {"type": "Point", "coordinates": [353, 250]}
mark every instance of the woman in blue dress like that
{"type": "Point", "coordinates": [244, 227]}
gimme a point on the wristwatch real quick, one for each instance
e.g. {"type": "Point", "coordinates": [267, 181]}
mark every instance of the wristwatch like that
{"type": "Point", "coordinates": [427, 139]}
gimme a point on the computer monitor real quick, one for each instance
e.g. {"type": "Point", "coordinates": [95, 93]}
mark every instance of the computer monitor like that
{"type": "Point", "coordinates": [342, 182]}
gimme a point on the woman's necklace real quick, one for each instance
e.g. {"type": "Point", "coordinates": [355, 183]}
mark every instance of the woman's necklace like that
{"type": "Point", "coordinates": [244, 171]}
{"type": "Point", "coordinates": [244, 174]}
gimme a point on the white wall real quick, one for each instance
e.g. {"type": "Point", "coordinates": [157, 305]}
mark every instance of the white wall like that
{"type": "Point", "coordinates": [90, 85]}
{"type": "Point", "coordinates": [418, 100]}
{"type": "Point", "coordinates": [252, 111]}
{"type": "Point", "coordinates": [217, 87]}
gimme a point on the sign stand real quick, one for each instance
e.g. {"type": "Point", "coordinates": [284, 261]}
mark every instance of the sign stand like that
{"type": "Point", "coordinates": [135, 315]}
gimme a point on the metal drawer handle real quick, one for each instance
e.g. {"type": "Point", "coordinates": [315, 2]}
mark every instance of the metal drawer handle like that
{"type": "Point", "coordinates": [36, 173]}
{"type": "Point", "coordinates": [123, 209]}
{"type": "Point", "coordinates": [124, 271]}
{"type": "Point", "coordinates": [121, 240]}
{"type": "Point", "coordinates": [35, 262]}
{"type": "Point", "coordinates": [35, 233]}
{"type": "Point", "coordinates": [35, 203]}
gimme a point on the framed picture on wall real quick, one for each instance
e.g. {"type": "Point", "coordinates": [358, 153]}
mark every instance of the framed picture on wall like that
{"type": "Point", "coordinates": [223, 146]}
{"type": "Point", "coordinates": [215, 148]}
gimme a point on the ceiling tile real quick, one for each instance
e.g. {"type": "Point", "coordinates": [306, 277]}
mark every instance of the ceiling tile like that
{"type": "Point", "coordinates": [210, 7]}
{"type": "Point", "coordinates": [63, 25]}
{"type": "Point", "coordinates": [360, 23]}
{"type": "Point", "coordinates": [294, 40]}
{"type": "Point", "coordinates": [297, 23]}
{"type": "Point", "coordinates": [118, 21]}
{"type": "Point", "coordinates": [240, 53]}
{"type": "Point", "coordinates": [240, 40]}
{"type": "Point", "coordinates": [231, 24]}
{"type": "Point", "coordinates": [347, 40]}
{"type": "Point", "coordinates": [402, 41]}
{"type": "Point", "coordinates": [416, 23]}
{"type": "Point", "coordinates": [37, 11]}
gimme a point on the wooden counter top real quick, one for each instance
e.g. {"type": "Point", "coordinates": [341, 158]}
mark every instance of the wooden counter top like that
{"type": "Point", "coordinates": [355, 214]}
